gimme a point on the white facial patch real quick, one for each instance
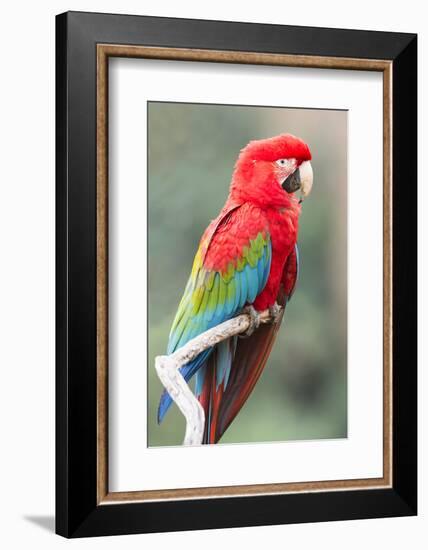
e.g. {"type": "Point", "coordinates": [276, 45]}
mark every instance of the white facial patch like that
{"type": "Point", "coordinates": [285, 167]}
{"type": "Point", "coordinates": [287, 164]}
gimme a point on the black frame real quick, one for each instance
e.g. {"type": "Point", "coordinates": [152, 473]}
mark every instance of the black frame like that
{"type": "Point", "coordinates": [77, 513]}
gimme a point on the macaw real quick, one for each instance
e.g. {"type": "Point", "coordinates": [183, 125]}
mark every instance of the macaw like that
{"type": "Point", "coordinates": [247, 260]}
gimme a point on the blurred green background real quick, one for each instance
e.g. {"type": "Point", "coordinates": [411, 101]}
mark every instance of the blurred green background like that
{"type": "Point", "coordinates": [192, 148]}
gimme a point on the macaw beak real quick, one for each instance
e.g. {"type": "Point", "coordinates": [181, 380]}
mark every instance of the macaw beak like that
{"type": "Point", "coordinates": [293, 182]}
{"type": "Point", "coordinates": [302, 179]}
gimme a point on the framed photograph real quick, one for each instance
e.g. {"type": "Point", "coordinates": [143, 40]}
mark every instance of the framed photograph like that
{"type": "Point", "coordinates": [236, 274]}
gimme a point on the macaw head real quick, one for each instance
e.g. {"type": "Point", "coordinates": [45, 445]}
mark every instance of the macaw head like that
{"type": "Point", "coordinates": [270, 171]}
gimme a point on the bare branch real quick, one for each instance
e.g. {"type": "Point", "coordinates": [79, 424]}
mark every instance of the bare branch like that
{"type": "Point", "coordinates": [167, 368]}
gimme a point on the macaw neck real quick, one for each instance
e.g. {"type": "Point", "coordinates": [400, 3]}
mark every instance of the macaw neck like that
{"type": "Point", "coordinates": [268, 194]}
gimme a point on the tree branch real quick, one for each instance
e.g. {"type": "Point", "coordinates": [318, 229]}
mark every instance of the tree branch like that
{"type": "Point", "coordinates": [167, 368]}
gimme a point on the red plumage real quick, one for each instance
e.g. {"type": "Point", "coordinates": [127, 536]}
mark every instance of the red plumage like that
{"type": "Point", "coordinates": [257, 201]}
{"type": "Point", "coordinates": [247, 256]}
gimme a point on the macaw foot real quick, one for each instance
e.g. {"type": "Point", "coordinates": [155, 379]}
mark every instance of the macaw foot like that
{"type": "Point", "coordinates": [254, 321]}
{"type": "Point", "coordinates": [275, 312]}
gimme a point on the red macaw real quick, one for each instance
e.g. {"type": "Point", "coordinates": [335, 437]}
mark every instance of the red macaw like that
{"type": "Point", "coordinates": [247, 258]}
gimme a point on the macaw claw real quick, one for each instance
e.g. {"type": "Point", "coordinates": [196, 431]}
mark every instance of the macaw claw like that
{"type": "Point", "coordinates": [254, 321]}
{"type": "Point", "coordinates": [275, 312]}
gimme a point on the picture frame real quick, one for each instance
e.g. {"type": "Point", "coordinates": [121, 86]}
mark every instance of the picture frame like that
{"type": "Point", "coordinates": [84, 44]}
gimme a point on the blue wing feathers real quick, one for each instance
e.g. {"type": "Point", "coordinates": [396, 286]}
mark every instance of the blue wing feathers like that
{"type": "Point", "coordinates": [252, 282]}
{"type": "Point", "coordinates": [200, 379]}
{"type": "Point", "coordinates": [244, 288]}
{"type": "Point", "coordinates": [261, 269]}
{"type": "Point", "coordinates": [225, 354]}
{"type": "Point", "coordinates": [208, 301]}
{"type": "Point", "coordinates": [224, 360]}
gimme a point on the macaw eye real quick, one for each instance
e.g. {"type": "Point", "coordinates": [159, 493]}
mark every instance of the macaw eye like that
{"type": "Point", "coordinates": [289, 164]}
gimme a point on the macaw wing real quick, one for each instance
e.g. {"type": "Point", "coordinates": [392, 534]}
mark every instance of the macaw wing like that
{"type": "Point", "coordinates": [223, 401]}
{"type": "Point", "coordinates": [230, 269]}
